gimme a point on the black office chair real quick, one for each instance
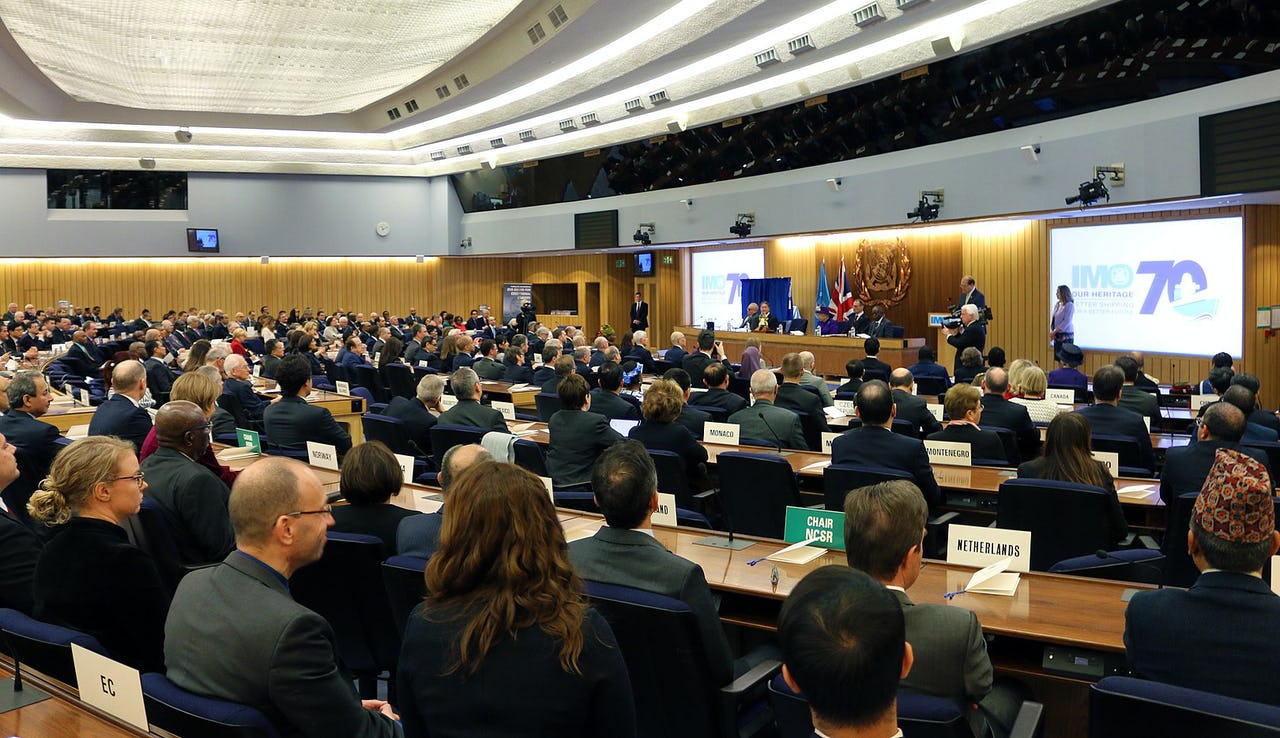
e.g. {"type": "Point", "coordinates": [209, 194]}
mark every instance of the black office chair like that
{"type": "Point", "coordinates": [548, 405]}
{"type": "Point", "coordinates": [1133, 565]}
{"type": "Point", "coordinates": [1131, 464]}
{"type": "Point", "coordinates": [660, 366]}
{"type": "Point", "coordinates": [1013, 456]}
{"type": "Point", "coordinates": [1179, 569]}
{"type": "Point", "coordinates": [177, 711]}
{"type": "Point", "coordinates": [797, 324]}
{"type": "Point", "coordinates": [445, 437]}
{"type": "Point", "coordinates": [673, 477]}
{"type": "Point", "coordinates": [402, 577]}
{"type": "Point", "coordinates": [870, 374]}
{"type": "Point", "coordinates": [368, 377]}
{"type": "Point", "coordinates": [1065, 519]}
{"type": "Point", "coordinates": [840, 479]}
{"type": "Point", "coordinates": [399, 380]}
{"type": "Point", "coordinates": [904, 427]}
{"type": "Point", "coordinates": [1123, 707]}
{"type": "Point", "coordinates": [149, 530]}
{"type": "Point", "coordinates": [345, 587]}
{"type": "Point", "coordinates": [718, 414]}
{"type": "Point", "coordinates": [670, 675]}
{"type": "Point", "coordinates": [43, 646]}
{"type": "Point", "coordinates": [232, 405]}
{"type": "Point", "coordinates": [740, 386]}
{"type": "Point", "coordinates": [755, 490]}
{"type": "Point", "coordinates": [928, 387]}
{"type": "Point", "coordinates": [530, 455]}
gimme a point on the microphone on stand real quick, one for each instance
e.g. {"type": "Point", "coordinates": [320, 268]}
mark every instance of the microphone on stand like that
{"type": "Point", "coordinates": [776, 439]}
{"type": "Point", "coordinates": [1145, 564]}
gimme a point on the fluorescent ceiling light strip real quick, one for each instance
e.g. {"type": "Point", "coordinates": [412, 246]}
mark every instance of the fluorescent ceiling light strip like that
{"type": "Point", "coordinates": [197, 148]}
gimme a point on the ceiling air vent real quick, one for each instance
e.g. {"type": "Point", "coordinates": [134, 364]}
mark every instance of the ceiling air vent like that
{"type": "Point", "coordinates": [536, 33]}
{"type": "Point", "coordinates": [866, 15]}
{"type": "Point", "coordinates": [394, 113]}
{"type": "Point", "coordinates": [568, 124]}
{"type": "Point", "coordinates": [800, 44]}
{"type": "Point", "coordinates": [437, 155]}
{"type": "Point", "coordinates": [633, 105]}
{"type": "Point", "coordinates": [464, 149]}
{"type": "Point", "coordinates": [461, 82]}
{"type": "Point", "coordinates": [590, 119]}
{"type": "Point", "coordinates": [767, 57]}
{"type": "Point", "coordinates": [659, 97]}
{"type": "Point", "coordinates": [527, 135]}
{"type": "Point", "coordinates": [557, 16]}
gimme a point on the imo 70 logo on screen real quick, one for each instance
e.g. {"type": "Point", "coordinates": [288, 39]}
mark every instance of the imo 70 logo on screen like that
{"type": "Point", "coordinates": [1182, 283]}
{"type": "Point", "coordinates": [717, 283]}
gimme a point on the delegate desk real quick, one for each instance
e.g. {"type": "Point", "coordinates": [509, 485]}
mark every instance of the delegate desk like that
{"type": "Point", "coordinates": [63, 714]}
{"type": "Point", "coordinates": [831, 353]}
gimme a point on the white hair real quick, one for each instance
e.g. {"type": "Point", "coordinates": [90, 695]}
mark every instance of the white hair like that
{"type": "Point", "coordinates": [970, 309]}
{"type": "Point", "coordinates": [234, 362]}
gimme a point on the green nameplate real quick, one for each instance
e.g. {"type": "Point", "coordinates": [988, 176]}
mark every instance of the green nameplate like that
{"type": "Point", "coordinates": [825, 527]}
{"type": "Point", "coordinates": [248, 439]}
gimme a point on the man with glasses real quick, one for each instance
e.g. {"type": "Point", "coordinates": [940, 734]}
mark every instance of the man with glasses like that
{"type": "Point", "coordinates": [192, 498]}
{"type": "Point", "coordinates": [234, 632]}
{"type": "Point", "coordinates": [29, 398]}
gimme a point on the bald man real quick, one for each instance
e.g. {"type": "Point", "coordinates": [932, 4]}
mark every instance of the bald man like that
{"type": "Point", "coordinates": [122, 415]}
{"type": "Point", "coordinates": [419, 535]}
{"type": "Point", "coordinates": [192, 498]}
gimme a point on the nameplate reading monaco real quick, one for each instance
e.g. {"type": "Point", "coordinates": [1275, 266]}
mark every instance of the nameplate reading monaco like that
{"type": "Point", "coordinates": [110, 686]}
{"type": "Point", "coordinates": [323, 455]}
{"type": "Point", "coordinates": [971, 545]}
{"type": "Point", "coordinates": [951, 453]}
{"type": "Point", "coordinates": [248, 439]}
{"type": "Point", "coordinates": [824, 527]}
{"type": "Point", "coordinates": [1109, 459]}
{"type": "Point", "coordinates": [723, 433]}
{"type": "Point", "coordinates": [666, 512]}
{"type": "Point", "coordinates": [827, 440]}
{"type": "Point", "coordinates": [1060, 396]}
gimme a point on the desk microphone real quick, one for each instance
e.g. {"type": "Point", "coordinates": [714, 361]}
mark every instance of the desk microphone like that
{"type": "Point", "coordinates": [1144, 564]}
{"type": "Point", "coordinates": [776, 439]}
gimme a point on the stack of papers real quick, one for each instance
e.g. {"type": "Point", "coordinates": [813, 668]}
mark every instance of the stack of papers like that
{"type": "Point", "coordinates": [994, 580]}
{"type": "Point", "coordinates": [816, 465]}
{"type": "Point", "coordinates": [797, 553]}
{"type": "Point", "coordinates": [833, 412]}
{"type": "Point", "coordinates": [1137, 491]}
{"type": "Point", "coordinates": [522, 387]}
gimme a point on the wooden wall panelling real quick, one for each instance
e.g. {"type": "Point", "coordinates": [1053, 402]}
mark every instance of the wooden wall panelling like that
{"type": "Point", "coordinates": [666, 294]}
{"type": "Point", "coordinates": [616, 284]}
{"type": "Point", "coordinates": [1262, 287]}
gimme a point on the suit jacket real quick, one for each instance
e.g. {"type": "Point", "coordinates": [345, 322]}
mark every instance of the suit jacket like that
{"type": "Point", "coordinates": [639, 316]}
{"type": "Point", "coordinates": [973, 298]}
{"type": "Point", "coordinates": [879, 328]}
{"type": "Point", "coordinates": [675, 356]}
{"type": "Point", "coordinates": [1141, 402]}
{"type": "Point", "coordinates": [859, 323]}
{"type": "Point", "coordinates": [379, 520]}
{"type": "Point", "coordinates": [874, 364]}
{"type": "Point", "coordinates": [19, 551]}
{"type": "Point", "coordinates": [90, 578]}
{"type": "Point", "coordinates": [953, 659]}
{"type": "Point", "coordinates": [269, 365]}
{"type": "Point", "coordinates": [971, 335]}
{"type": "Point", "coordinates": [419, 535]}
{"type": "Point", "coordinates": [351, 360]}
{"type": "Point", "coordinates": [678, 440]}
{"type": "Point", "coordinates": [849, 390]}
{"type": "Point", "coordinates": [272, 653]}
{"type": "Point", "coordinates": [820, 384]}
{"type": "Point", "coordinates": [291, 421]}
{"type": "Point", "coordinates": [1066, 376]}
{"type": "Point", "coordinates": [418, 420]}
{"type": "Point", "coordinates": [1109, 420]}
{"type": "Point", "coordinates": [487, 368]}
{"type": "Point", "coordinates": [193, 501]}
{"type": "Point", "coordinates": [916, 411]}
{"type": "Point", "coordinates": [37, 438]}
{"type": "Point", "coordinates": [249, 400]}
{"type": "Point", "coordinates": [720, 398]}
{"type": "Point", "coordinates": [1186, 467]}
{"type": "Point", "coordinates": [695, 364]}
{"type": "Point", "coordinates": [82, 360]}
{"type": "Point", "coordinates": [693, 420]}
{"type": "Point", "coordinates": [543, 374]}
{"type": "Point", "coordinates": [872, 445]}
{"type": "Point", "coordinates": [159, 377]}
{"type": "Point", "coordinates": [631, 558]}
{"type": "Point", "coordinates": [930, 369]}
{"type": "Point", "coordinates": [470, 412]}
{"type": "Point", "coordinates": [461, 360]}
{"type": "Point", "coordinates": [612, 406]}
{"type": "Point", "coordinates": [794, 397]}
{"type": "Point", "coordinates": [118, 416]}
{"type": "Point", "coordinates": [641, 356]}
{"type": "Point", "coordinates": [1002, 413]}
{"type": "Point", "coordinates": [1215, 636]}
{"type": "Point", "coordinates": [1119, 527]}
{"type": "Point", "coordinates": [763, 421]}
{"type": "Point", "coordinates": [1265, 418]}
{"type": "Point", "coordinates": [984, 444]}
{"type": "Point", "coordinates": [516, 374]}
{"type": "Point", "coordinates": [411, 350]}
{"type": "Point", "coordinates": [577, 438]}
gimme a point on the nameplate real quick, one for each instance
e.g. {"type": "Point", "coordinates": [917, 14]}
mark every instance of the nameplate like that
{"type": "Point", "coordinates": [1199, 401]}
{"type": "Point", "coordinates": [1147, 422]}
{"type": "Point", "coordinates": [508, 409]}
{"type": "Point", "coordinates": [1275, 574]}
{"type": "Point", "coordinates": [827, 440]}
{"type": "Point", "coordinates": [666, 512]}
{"type": "Point", "coordinates": [971, 545]}
{"type": "Point", "coordinates": [448, 401]}
{"type": "Point", "coordinates": [937, 410]}
{"type": "Point", "coordinates": [936, 320]}
{"type": "Point", "coordinates": [344, 388]}
{"type": "Point", "coordinates": [110, 686]}
{"type": "Point", "coordinates": [406, 467]}
{"type": "Point", "coordinates": [249, 439]}
{"type": "Point", "coordinates": [1109, 459]}
{"type": "Point", "coordinates": [550, 485]}
{"type": "Point", "coordinates": [727, 434]}
{"type": "Point", "coordinates": [323, 455]}
{"type": "Point", "coordinates": [424, 364]}
{"type": "Point", "coordinates": [537, 361]}
{"type": "Point", "coordinates": [952, 453]}
{"type": "Point", "coordinates": [822, 528]}
{"type": "Point", "coordinates": [846, 406]}
{"type": "Point", "coordinates": [1061, 396]}
{"type": "Point", "coordinates": [257, 370]}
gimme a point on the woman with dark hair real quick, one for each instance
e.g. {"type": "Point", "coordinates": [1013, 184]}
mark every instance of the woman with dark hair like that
{"type": "Point", "coordinates": [505, 643]}
{"type": "Point", "coordinates": [305, 344]}
{"type": "Point", "coordinates": [371, 476]}
{"type": "Point", "coordinates": [1066, 458]}
{"type": "Point", "coordinates": [392, 348]}
{"type": "Point", "coordinates": [970, 365]}
{"type": "Point", "coordinates": [659, 430]}
{"type": "Point", "coordinates": [625, 344]}
{"type": "Point", "coordinates": [1061, 323]}
{"type": "Point", "coordinates": [196, 355]}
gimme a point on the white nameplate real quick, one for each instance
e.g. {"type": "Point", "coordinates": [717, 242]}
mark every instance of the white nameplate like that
{"type": "Point", "coordinates": [1061, 396]}
{"type": "Point", "coordinates": [406, 467]}
{"type": "Point", "coordinates": [1199, 401]}
{"type": "Point", "coordinates": [936, 409]}
{"type": "Point", "coordinates": [537, 361]}
{"type": "Point", "coordinates": [1147, 422]}
{"type": "Point", "coordinates": [344, 388]}
{"type": "Point", "coordinates": [110, 686]}
{"type": "Point", "coordinates": [424, 364]}
{"type": "Point", "coordinates": [1275, 574]}
{"type": "Point", "coordinates": [971, 545]}
{"type": "Point", "coordinates": [827, 440]}
{"type": "Point", "coordinates": [323, 455]}
{"type": "Point", "coordinates": [726, 434]}
{"type": "Point", "coordinates": [846, 406]}
{"type": "Point", "coordinates": [546, 482]}
{"type": "Point", "coordinates": [951, 453]}
{"type": "Point", "coordinates": [666, 512]}
{"type": "Point", "coordinates": [508, 409]}
{"type": "Point", "coordinates": [1109, 459]}
{"type": "Point", "coordinates": [257, 370]}
{"type": "Point", "coordinates": [448, 401]}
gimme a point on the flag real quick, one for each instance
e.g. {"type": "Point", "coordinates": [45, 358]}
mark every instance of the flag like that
{"type": "Point", "coordinates": [823, 298]}
{"type": "Point", "coordinates": [843, 294]}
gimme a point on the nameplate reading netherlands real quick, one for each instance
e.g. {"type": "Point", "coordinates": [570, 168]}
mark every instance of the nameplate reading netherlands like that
{"type": "Point", "coordinates": [952, 453]}
{"type": "Point", "coordinates": [971, 545]}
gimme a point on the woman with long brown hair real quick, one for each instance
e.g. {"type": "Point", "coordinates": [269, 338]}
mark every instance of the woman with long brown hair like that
{"type": "Point", "coordinates": [505, 644]}
{"type": "Point", "coordinates": [1065, 457]}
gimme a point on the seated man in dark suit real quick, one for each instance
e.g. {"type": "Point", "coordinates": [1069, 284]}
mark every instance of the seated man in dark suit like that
{"type": "Point", "coordinates": [716, 377]}
{"type": "Point", "coordinates": [19, 547]}
{"type": "Point", "coordinates": [911, 408]}
{"type": "Point", "coordinates": [793, 396]}
{"type": "Point", "coordinates": [354, 354]}
{"type": "Point", "coordinates": [419, 535]}
{"type": "Point", "coordinates": [192, 498]}
{"type": "Point", "coordinates": [1107, 418]}
{"type": "Point", "coordinates": [271, 360]}
{"type": "Point", "coordinates": [675, 355]}
{"type": "Point", "coordinates": [871, 347]}
{"type": "Point", "coordinates": [927, 366]}
{"type": "Point", "coordinates": [691, 418]}
{"type": "Point", "coordinates": [999, 412]}
{"type": "Point", "coordinates": [291, 421]}
{"type": "Point", "coordinates": [1244, 399]}
{"type": "Point", "coordinates": [709, 350]}
{"type": "Point", "coordinates": [272, 654]}
{"type": "Point", "coordinates": [765, 422]}
{"type": "Point", "coordinates": [577, 436]}
{"type": "Point", "coordinates": [159, 376]}
{"type": "Point", "coordinates": [550, 354]}
{"type": "Point", "coordinates": [640, 352]}
{"type": "Point", "coordinates": [487, 365]}
{"type": "Point", "coordinates": [875, 443]}
{"type": "Point", "coordinates": [466, 387]}
{"type": "Point", "coordinates": [562, 368]}
{"type": "Point", "coordinates": [964, 406]}
{"type": "Point", "coordinates": [1259, 415]}
{"type": "Point", "coordinates": [1186, 467]}
{"type": "Point", "coordinates": [82, 357]}
{"type": "Point", "coordinates": [239, 384]}
{"type": "Point", "coordinates": [120, 415]}
{"type": "Point", "coordinates": [1217, 636]}
{"type": "Point", "coordinates": [29, 398]}
{"type": "Point", "coordinates": [513, 369]}
{"type": "Point", "coordinates": [848, 390]}
{"type": "Point", "coordinates": [879, 325]}
{"type": "Point", "coordinates": [417, 413]}
{"type": "Point", "coordinates": [1140, 401]}
{"type": "Point", "coordinates": [606, 399]}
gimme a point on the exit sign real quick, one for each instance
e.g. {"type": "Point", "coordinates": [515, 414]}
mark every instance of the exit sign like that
{"type": "Point", "coordinates": [667, 259]}
{"type": "Point", "coordinates": [620, 263]}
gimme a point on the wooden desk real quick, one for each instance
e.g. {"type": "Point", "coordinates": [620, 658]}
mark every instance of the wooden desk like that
{"type": "Point", "coordinates": [63, 714]}
{"type": "Point", "coordinates": [830, 352]}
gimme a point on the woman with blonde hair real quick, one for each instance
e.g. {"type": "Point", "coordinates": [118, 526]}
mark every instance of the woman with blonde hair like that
{"type": "Point", "coordinates": [238, 337]}
{"type": "Point", "coordinates": [505, 643]}
{"type": "Point", "coordinates": [89, 577]}
{"type": "Point", "coordinates": [1034, 384]}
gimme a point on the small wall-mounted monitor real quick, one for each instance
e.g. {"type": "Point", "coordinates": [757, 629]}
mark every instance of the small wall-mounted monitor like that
{"type": "Point", "coordinates": [645, 264]}
{"type": "Point", "coordinates": [202, 240]}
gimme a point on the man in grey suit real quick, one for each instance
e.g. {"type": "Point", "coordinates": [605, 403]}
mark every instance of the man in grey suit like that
{"type": "Point", "coordinates": [764, 421]}
{"type": "Point", "coordinates": [884, 537]}
{"type": "Point", "coordinates": [234, 633]}
{"type": "Point", "coordinates": [466, 387]}
{"type": "Point", "coordinates": [419, 535]}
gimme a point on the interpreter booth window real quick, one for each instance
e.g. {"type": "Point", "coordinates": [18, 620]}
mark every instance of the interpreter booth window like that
{"type": "Point", "coordinates": [97, 189]}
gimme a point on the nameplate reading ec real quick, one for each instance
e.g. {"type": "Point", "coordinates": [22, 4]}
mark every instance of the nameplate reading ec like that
{"type": "Point", "coordinates": [110, 686]}
{"type": "Point", "coordinates": [323, 455]}
{"type": "Point", "coordinates": [971, 545]}
{"type": "Point", "coordinates": [823, 528]}
{"type": "Point", "coordinates": [952, 453]}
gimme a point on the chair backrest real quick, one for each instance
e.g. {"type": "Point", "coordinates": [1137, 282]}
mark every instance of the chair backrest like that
{"type": "Point", "coordinates": [390, 431]}
{"type": "Point", "coordinates": [1272, 450]}
{"type": "Point", "coordinates": [400, 380]}
{"type": "Point", "coordinates": [151, 531]}
{"type": "Point", "coordinates": [838, 480]}
{"type": "Point", "coordinates": [345, 587]}
{"type": "Point", "coordinates": [183, 713]}
{"type": "Point", "coordinates": [740, 386]}
{"type": "Point", "coordinates": [811, 429]}
{"type": "Point", "coordinates": [1010, 442]}
{"type": "Point", "coordinates": [660, 366]}
{"type": "Point", "coordinates": [895, 331]}
{"type": "Point", "coordinates": [870, 374]}
{"type": "Point", "coordinates": [1179, 569]}
{"type": "Point", "coordinates": [445, 437]}
{"type": "Point", "coordinates": [1123, 445]}
{"type": "Point", "coordinates": [673, 477]}
{"type": "Point", "coordinates": [369, 378]}
{"type": "Point", "coordinates": [797, 324]}
{"type": "Point", "coordinates": [548, 405]}
{"type": "Point", "coordinates": [928, 386]}
{"type": "Point", "coordinates": [1133, 565]}
{"type": "Point", "coordinates": [1123, 706]}
{"type": "Point", "coordinates": [256, 345]}
{"type": "Point", "coordinates": [904, 427]}
{"type": "Point", "coordinates": [43, 646]}
{"type": "Point", "coordinates": [232, 405]}
{"type": "Point", "coordinates": [402, 577]}
{"type": "Point", "coordinates": [755, 490]}
{"type": "Point", "coordinates": [1065, 519]}
{"type": "Point", "coordinates": [660, 641]}
{"type": "Point", "coordinates": [919, 716]}
{"type": "Point", "coordinates": [529, 455]}
{"type": "Point", "coordinates": [718, 414]}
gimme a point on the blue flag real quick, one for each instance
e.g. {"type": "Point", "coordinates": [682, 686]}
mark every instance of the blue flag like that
{"type": "Point", "coordinates": [823, 300]}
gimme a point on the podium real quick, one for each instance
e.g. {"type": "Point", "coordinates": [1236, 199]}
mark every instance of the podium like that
{"type": "Point", "coordinates": [946, 353]}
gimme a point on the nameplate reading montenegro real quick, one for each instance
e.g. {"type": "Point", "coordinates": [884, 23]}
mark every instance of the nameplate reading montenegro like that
{"type": "Point", "coordinates": [822, 528]}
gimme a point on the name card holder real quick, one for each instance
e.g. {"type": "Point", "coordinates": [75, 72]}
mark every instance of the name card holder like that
{"type": "Point", "coordinates": [508, 409]}
{"type": "Point", "coordinates": [822, 528]}
{"type": "Point", "coordinates": [343, 388]}
{"type": "Point", "coordinates": [1199, 401]}
{"type": "Point", "coordinates": [110, 686]}
{"type": "Point", "coordinates": [249, 439]}
{"type": "Point", "coordinates": [1109, 459]}
{"type": "Point", "coordinates": [951, 453]}
{"type": "Point", "coordinates": [406, 467]}
{"type": "Point", "coordinates": [936, 409]}
{"type": "Point", "coordinates": [728, 434]}
{"type": "Point", "coordinates": [827, 440]}
{"type": "Point", "coordinates": [971, 545]}
{"type": "Point", "coordinates": [323, 455]}
{"type": "Point", "coordinates": [846, 406]}
{"type": "Point", "coordinates": [1061, 396]}
{"type": "Point", "coordinates": [546, 482]}
{"type": "Point", "coordinates": [448, 401]}
{"type": "Point", "coordinates": [666, 512]}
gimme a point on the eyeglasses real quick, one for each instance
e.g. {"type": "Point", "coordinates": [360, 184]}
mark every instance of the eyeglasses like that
{"type": "Point", "coordinates": [326, 510]}
{"type": "Point", "coordinates": [139, 478]}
